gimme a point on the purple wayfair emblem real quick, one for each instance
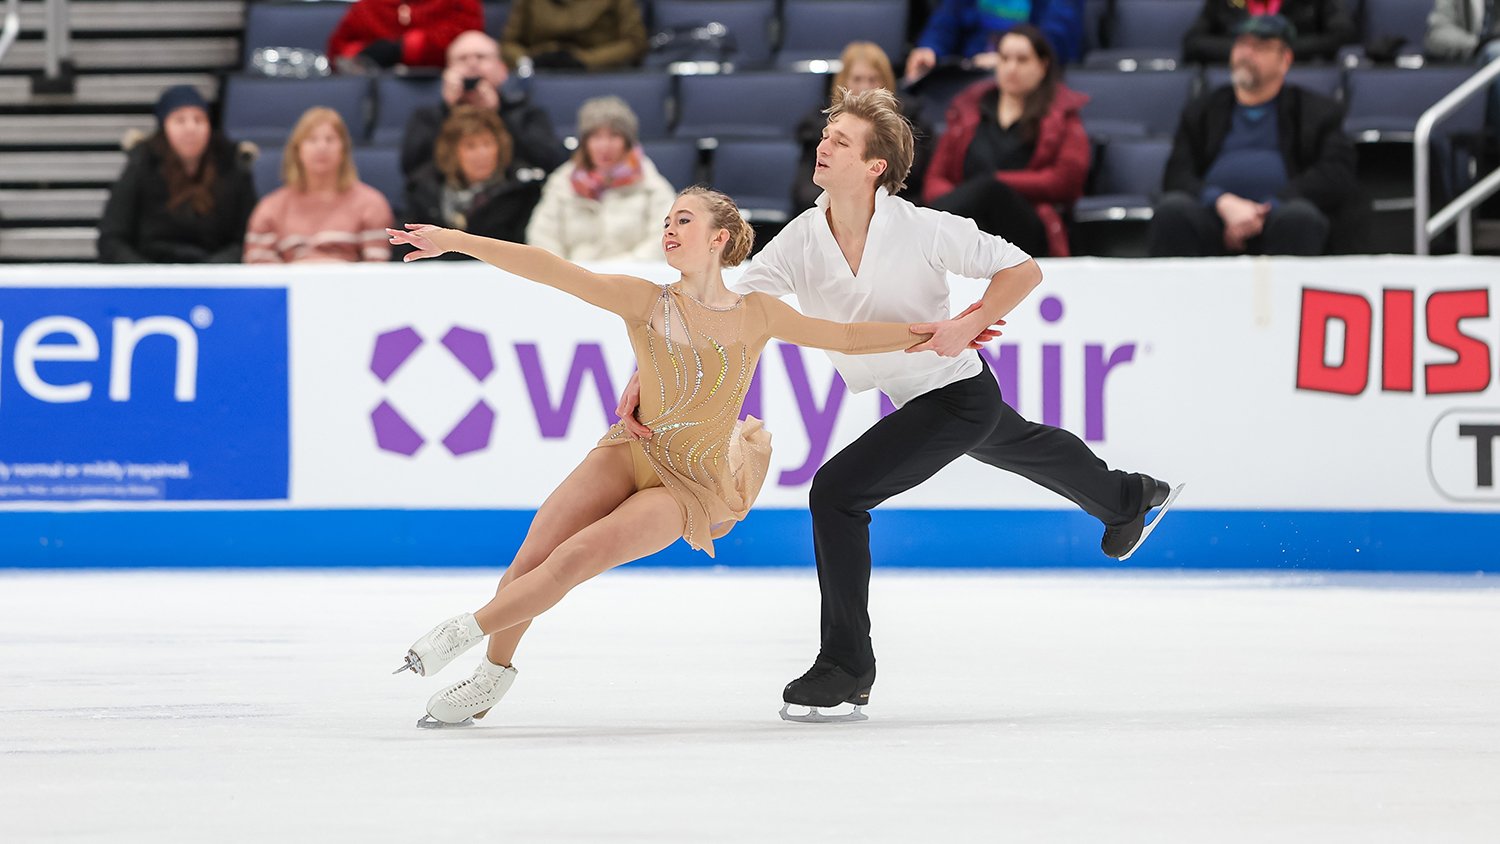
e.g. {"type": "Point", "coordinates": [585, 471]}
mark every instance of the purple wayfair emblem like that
{"type": "Point", "coordinates": [472, 351]}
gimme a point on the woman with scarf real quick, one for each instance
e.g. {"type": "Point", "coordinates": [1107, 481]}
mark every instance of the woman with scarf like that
{"type": "Point", "coordinates": [472, 185]}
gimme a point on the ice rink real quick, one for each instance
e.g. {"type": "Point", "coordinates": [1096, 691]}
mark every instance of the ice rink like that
{"type": "Point", "coordinates": [259, 706]}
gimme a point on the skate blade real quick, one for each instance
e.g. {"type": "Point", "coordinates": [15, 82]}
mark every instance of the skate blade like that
{"type": "Point", "coordinates": [815, 716]}
{"type": "Point", "coordinates": [1161, 513]}
{"type": "Point", "coordinates": [430, 723]}
{"type": "Point", "coordinates": [413, 664]}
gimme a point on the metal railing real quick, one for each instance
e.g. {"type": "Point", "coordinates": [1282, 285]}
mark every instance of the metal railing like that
{"type": "Point", "coordinates": [11, 27]}
{"type": "Point", "coordinates": [1461, 209]}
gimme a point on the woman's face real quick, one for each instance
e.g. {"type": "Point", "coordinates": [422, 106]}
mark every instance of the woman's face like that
{"type": "Point", "coordinates": [863, 77]}
{"type": "Point", "coordinates": [688, 235]}
{"type": "Point", "coordinates": [478, 156]}
{"type": "Point", "coordinates": [187, 132]}
{"type": "Point", "coordinates": [606, 148]}
{"type": "Point", "coordinates": [1020, 70]}
{"type": "Point", "coordinates": [322, 151]}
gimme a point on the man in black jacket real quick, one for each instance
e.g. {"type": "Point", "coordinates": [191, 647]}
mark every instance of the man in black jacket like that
{"type": "Point", "coordinates": [1259, 166]}
{"type": "Point", "coordinates": [475, 76]}
{"type": "Point", "coordinates": [1321, 27]}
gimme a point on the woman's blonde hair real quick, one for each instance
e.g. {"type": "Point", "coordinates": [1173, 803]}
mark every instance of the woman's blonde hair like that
{"type": "Point", "coordinates": [890, 136]}
{"type": "Point", "coordinates": [864, 52]}
{"type": "Point", "coordinates": [724, 214]}
{"type": "Point", "coordinates": [292, 174]}
{"type": "Point", "coordinates": [463, 122]}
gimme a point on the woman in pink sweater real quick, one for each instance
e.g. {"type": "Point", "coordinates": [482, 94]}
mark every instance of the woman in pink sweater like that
{"type": "Point", "coordinates": [322, 212]}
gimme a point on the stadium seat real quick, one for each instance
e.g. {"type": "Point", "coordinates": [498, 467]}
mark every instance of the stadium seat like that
{"type": "Point", "coordinates": [748, 22]}
{"type": "Point", "coordinates": [1397, 18]}
{"type": "Point", "coordinates": [380, 168]}
{"type": "Point", "coordinates": [1131, 104]}
{"type": "Point", "coordinates": [758, 174]}
{"type": "Point", "coordinates": [676, 159]}
{"type": "Point", "coordinates": [305, 25]}
{"type": "Point", "coordinates": [756, 104]}
{"type": "Point", "coordinates": [1126, 181]}
{"type": "Point", "coordinates": [819, 29]}
{"type": "Point", "coordinates": [264, 110]}
{"type": "Point", "coordinates": [1145, 34]}
{"type": "Point", "coordinates": [1384, 103]}
{"type": "Point", "coordinates": [396, 97]}
{"type": "Point", "coordinates": [495, 15]}
{"type": "Point", "coordinates": [560, 95]}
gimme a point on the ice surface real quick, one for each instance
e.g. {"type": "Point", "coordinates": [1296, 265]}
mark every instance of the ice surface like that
{"type": "Point", "coordinates": [259, 706]}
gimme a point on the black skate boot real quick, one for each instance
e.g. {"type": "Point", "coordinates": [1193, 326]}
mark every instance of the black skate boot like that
{"type": "Point", "coordinates": [825, 685]}
{"type": "Point", "coordinates": [1120, 541]}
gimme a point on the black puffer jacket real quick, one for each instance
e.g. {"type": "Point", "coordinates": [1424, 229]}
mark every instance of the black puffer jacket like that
{"type": "Point", "coordinates": [138, 228]}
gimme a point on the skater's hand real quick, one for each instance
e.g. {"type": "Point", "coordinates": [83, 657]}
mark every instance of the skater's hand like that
{"type": "Point", "coordinates": [630, 401]}
{"type": "Point", "coordinates": [421, 236]}
{"type": "Point", "coordinates": [952, 337]}
{"type": "Point", "coordinates": [989, 333]}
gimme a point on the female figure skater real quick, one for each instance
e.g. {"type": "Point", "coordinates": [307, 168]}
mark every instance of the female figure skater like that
{"type": "Point", "coordinates": [696, 345]}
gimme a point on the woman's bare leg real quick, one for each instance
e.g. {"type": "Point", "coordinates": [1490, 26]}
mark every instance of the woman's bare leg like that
{"type": "Point", "coordinates": [590, 492]}
{"type": "Point", "coordinates": [645, 523]}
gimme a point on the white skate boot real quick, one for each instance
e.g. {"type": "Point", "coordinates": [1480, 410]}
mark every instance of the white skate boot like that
{"type": "Point", "coordinates": [459, 704]}
{"type": "Point", "coordinates": [441, 645]}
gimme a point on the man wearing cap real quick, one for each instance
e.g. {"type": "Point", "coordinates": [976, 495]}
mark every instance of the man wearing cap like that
{"type": "Point", "coordinates": [475, 75]}
{"type": "Point", "coordinates": [1320, 27]}
{"type": "Point", "coordinates": [1258, 166]}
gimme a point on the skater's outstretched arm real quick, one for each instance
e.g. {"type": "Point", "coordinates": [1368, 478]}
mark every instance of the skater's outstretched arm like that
{"type": "Point", "coordinates": [852, 338]}
{"type": "Point", "coordinates": [622, 294]}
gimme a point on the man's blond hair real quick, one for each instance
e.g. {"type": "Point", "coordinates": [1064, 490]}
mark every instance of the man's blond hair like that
{"type": "Point", "coordinates": [890, 137]}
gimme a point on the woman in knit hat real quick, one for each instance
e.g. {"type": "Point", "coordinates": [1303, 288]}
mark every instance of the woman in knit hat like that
{"type": "Point", "coordinates": [607, 203]}
{"type": "Point", "coordinates": [185, 194]}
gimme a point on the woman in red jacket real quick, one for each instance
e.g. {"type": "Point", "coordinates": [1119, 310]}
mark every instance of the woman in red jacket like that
{"type": "Point", "coordinates": [1014, 149]}
{"type": "Point", "coordinates": [381, 33]}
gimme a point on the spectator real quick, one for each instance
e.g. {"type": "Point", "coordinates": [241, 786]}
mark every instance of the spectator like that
{"type": "Point", "coordinates": [608, 203]}
{"type": "Point", "coordinates": [1321, 27]}
{"type": "Point", "coordinates": [971, 29]}
{"type": "Point", "coordinates": [863, 66]}
{"type": "Point", "coordinates": [1467, 30]}
{"type": "Point", "coordinates": [377, 34]}
{"type": "Point", "coordinates": [1014, 149]}
{"type": "Point", "coordinates": [471, 185]}
{"type": "Point", "coordinates": [322, 212]}
{"type": "Point", "coordinates": [593, 34]}
{"type": "Point", "coordinates": [1258, 166]}
{"type": "Point", "coordinates": [475, 76]}
{"type": "Point", "coordinates": [185, 194]}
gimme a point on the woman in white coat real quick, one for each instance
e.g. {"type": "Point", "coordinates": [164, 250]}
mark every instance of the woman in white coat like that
{"type": "Point", "coordinates": [606, 204]}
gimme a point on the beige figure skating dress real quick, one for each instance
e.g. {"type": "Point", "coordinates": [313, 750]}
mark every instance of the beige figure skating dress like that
{"type": "Point", "coordinates": [695, 364]}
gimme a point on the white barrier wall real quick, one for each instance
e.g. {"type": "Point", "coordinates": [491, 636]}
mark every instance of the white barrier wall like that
{"type": "Point", "coordinates": [1330, 387]}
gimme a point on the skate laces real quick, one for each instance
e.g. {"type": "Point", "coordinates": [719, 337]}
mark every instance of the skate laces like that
{"type": "Point", "coordinates": [451, 639]}
{"type": "Point", "coordinates": [473, 690]}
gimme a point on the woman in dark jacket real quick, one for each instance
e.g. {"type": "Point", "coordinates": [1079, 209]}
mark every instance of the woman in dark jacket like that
{"type": "Point", "coordinates": [185, 195]}
{"type": "Point", "coordinates": [470, 184]}
{"type": "Point", "coordinates": [1014, 149]}
{"type": "Point", "coordinates": [863, 66]}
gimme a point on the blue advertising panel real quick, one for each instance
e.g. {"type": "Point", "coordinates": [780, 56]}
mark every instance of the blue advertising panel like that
{"type": "Point", "coordinates": [127, 394]}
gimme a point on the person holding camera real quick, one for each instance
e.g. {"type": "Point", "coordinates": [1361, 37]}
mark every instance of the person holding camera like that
{"type": "Point", "coordinates": [475, 76]}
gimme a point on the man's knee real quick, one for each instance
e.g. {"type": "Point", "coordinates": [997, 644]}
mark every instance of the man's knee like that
{"type": "Point", "coordinates": [1297, 227]}
{"type": "Point", "coordinates": [832, 491]}
{"type": "Point", "coordinates": [1175, 207]}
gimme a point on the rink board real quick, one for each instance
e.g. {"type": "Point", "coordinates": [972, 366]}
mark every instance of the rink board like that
{"type": "Point", "coordinates": [1329, 414]}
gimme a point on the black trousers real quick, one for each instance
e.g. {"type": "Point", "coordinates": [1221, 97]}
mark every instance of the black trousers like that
{"type": "Point", "coordinates": [908, 447]}
{"type": "Point", "coordinates": [1182, 227]}
{"type": "Point", "coordinates": [997, 209]}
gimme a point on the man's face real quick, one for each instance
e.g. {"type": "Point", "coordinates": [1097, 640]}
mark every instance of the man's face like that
{"type": "Point", "coordinates": [841, 154]}
{"type": "Point", "coordinates": [1255, 62]}
{"type": "Point", "coordinates": [476, 55]}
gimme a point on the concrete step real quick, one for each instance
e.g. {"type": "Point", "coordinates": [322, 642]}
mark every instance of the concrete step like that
{"type": "Point", "coordinates": [71, 130]}
{"type": "Point", "coordinates": [129, 53]}
{"type": "Point", "coordinates": [49, 244]}
{"type": "Point", "coordinates": [64, 168]}
{"type": "Point", "coordinates": [79, 204]}
{"type": "Point", "coordinates": [142, 16]}
{"type": "Point", "coordinates": [140, 89]}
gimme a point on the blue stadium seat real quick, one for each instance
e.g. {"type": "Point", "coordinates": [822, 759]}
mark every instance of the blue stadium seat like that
{"type": "Point", "coordinates": [1146, 33]}
{"type": "Point", "coordinates": [266, 171]}
{"type": "Point", "coordinates": [819, 29]}
{"type": "Point", "coordinates": [1401, 18]}
{"type": "Point", "coordinates": [938, 88]}
{"type": "Point", "coordinates": [676, 159]}
{"type": "Point", "coordinates": [380, 168]}
{"type": "Point", "coordinates": [757, 104]}
{"type": "Point", "coordinates": [1125, 105]}
{"type": "Point", "coordinates": [748, 22]}
{"type": "Point", "coordinates": [1327, 80]}
{"type": "Point", "coordinates": [758, 175]}
{"type": "Point", "coordinates": [264, 110]}
{"type": "Point", "coordinates": [305, 25]}
{"type": "Point", "coordinates": [1127, 178]}
{"type": "Point", "coordinates": [1384, 103]}
{"type": "Point", "coordinates": [495, 15]}
{"type": "Point", "coordinates": [396, 97]}
{"type": "Point", "coordinates": [560, 95]}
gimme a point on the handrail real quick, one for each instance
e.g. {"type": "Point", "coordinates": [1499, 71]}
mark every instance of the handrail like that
{"type": "Point", "coordinates": [12, 26]}
{"type": "Point", "coordinates": [59, 38]}
{"type": "Point", "coordinates": [1460, 210]}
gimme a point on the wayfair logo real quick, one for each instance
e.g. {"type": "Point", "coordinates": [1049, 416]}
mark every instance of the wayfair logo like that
{"type": "Point", "coordinates": [471, 350]}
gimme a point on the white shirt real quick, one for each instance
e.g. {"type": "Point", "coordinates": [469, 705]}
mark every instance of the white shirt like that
{"type": "Point", "coordinates": [903, 277]}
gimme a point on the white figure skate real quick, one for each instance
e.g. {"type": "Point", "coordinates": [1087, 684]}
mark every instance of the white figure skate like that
{"type": "Point", "coordinates": [440, 645]}
{"type": "Point", "coordinates": [461, 703]}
